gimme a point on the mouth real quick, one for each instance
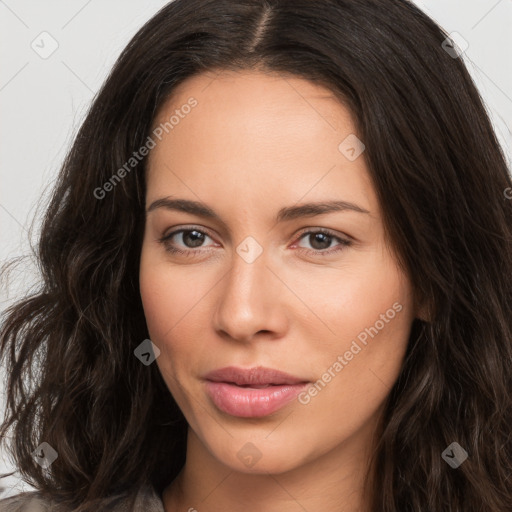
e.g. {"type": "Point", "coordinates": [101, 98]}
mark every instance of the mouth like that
{"type": "Point", "coordinates": [252, 393]}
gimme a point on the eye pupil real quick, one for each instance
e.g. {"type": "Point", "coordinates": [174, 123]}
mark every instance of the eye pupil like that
{"type": "Point", "coordinates": [321, 239]}
{"type": "Point", "coordinates": [196, 237]}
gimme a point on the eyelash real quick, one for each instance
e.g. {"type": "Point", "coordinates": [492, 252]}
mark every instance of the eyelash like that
{"type": "Point", "coordinates": [191, 252]}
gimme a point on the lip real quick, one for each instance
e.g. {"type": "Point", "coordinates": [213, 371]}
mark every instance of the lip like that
{"type": "Point", "coordinates": [258, 376]}
{"type": "Point", "coordinates": [225, 387]}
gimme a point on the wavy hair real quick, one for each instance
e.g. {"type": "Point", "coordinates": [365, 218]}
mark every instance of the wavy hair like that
{"type": "Point", "coordinates": [441, 179]}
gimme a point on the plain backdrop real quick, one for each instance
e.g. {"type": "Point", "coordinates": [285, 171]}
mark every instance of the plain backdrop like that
{"type": "Point", "coordinates": [43, 99]}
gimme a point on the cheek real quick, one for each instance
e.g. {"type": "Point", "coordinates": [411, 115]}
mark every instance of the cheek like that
{"type": "Point", "coordinates": [162, 309]}
{"type": "Point", "coordinates": [378, 320]}
{"type": "Point", "coordinates": [167, 294]}
{"type": "Point", "coordinates": [158, 301]}
{"type": "Point", "coordinates": [354, 302]}
{"type": "Point", "coordinates": [349, 391]}
{"type": "Point", "coordinates": [371, 314]}
{"type": "Point", "coordinates": [175, 307]}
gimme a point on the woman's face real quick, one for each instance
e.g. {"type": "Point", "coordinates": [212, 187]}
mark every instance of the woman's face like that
{"type": "Point", "coordinates": [260, 285]}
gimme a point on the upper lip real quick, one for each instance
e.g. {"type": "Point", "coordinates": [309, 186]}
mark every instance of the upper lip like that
{"type": "Point", "coordinates": [257, 376]}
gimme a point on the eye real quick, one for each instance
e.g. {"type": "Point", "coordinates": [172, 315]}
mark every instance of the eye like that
{"type": "Point", "coordinates": [321, 239]}
{"type": "Point", "coordinates": [191, 238]}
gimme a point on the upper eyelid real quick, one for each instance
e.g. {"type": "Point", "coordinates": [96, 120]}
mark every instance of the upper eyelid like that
{"type": "Point", "coordinates": [191, 228]}
{"type": "Point", "coordinates": [328, 231]}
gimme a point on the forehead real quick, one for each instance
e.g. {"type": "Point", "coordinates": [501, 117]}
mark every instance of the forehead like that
{"type": "Point", "coordinates": [259, 96]}
{"type": "Point", "coordinates": [253, 128]}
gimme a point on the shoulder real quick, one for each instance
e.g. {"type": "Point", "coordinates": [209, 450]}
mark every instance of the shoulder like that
{"type": "Point", "coordinates": [26, 501]}
{"type": "Point", "coordinates": [147, 500]}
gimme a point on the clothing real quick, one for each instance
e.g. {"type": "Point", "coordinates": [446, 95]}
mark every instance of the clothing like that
{"type": "Point", "coordinates": [148, 500]}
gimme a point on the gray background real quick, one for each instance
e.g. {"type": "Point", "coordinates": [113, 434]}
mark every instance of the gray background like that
{"type": "Point", "coordinates": [43, 100]}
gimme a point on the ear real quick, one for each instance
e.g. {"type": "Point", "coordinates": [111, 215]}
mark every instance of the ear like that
{"type": "Point", "coordinates": [423, 312]}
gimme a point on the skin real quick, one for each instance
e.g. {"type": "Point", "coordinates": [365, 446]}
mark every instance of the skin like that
{"type": "Point", "coordinates": [257, 142]}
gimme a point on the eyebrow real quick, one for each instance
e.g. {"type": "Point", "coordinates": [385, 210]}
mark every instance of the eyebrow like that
{"type": "Point", "coordinates": [284, 214]}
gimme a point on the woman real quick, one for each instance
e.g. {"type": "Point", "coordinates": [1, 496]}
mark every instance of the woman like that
{"type": "Point", "coordinates": [204, 347]}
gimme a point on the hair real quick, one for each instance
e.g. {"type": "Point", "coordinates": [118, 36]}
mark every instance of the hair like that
{"type": "Point", "coordinates": [439, 174]}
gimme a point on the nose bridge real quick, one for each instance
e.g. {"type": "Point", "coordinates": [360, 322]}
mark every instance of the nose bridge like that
{"type": "Point", "coordinates": [247, 302]}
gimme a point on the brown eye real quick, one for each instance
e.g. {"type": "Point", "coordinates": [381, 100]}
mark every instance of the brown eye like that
{"type": "Point", "coordinates": [190, 239]}
{"type": "Point", "coordinates": [322, 239]}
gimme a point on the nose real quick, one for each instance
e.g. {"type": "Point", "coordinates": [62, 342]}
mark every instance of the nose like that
{"type": "Point", "coordinates": [250, 301]}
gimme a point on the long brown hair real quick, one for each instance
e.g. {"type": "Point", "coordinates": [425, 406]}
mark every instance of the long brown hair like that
{"type": "Point", "coordinates": [440, 175]}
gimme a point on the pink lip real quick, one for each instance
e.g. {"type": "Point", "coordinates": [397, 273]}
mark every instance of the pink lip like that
{"type": "Point", "coordinates": [250, 402]}
{"type": "Point", "coordinates": [225, 388]}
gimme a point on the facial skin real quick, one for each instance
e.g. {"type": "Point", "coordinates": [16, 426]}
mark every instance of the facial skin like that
{"type": "Point", "coordinates": [256, 143]}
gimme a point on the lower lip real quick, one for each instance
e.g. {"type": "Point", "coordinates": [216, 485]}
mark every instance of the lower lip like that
{"type": "Point", "coordinates": [249, 402]}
